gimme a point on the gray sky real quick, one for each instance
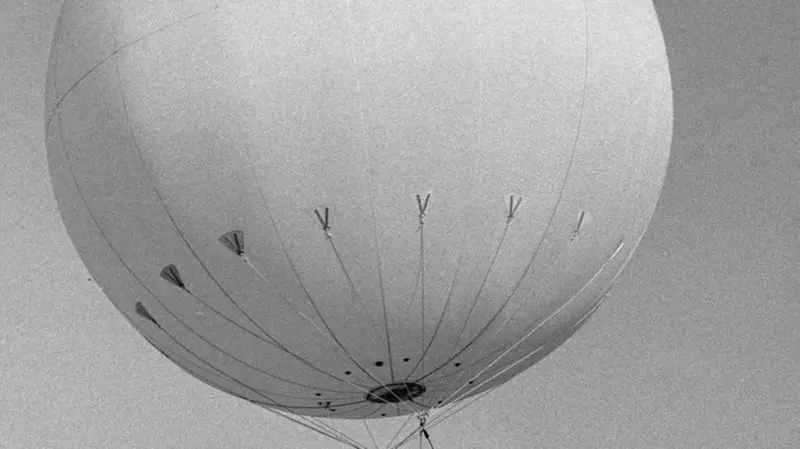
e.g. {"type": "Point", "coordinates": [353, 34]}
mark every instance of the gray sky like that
{"type": "Point", "coordinates": [697, 346]}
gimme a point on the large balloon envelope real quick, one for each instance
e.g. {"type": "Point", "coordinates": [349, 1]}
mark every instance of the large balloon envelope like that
{"type": "Point", "coordinates": [357, 209]}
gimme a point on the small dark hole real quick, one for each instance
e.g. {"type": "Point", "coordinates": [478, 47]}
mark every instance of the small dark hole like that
{"type": "Point", "coordinates": [333, 409]}
{"type": "Point", "coordinates": [317, 394]}
{"type": "Point", "coordinates": [438, 402]}
{"type": "Point", "coordinates": [406, 359]}
{"type": "Point", "coordinates": [458, 363]}
{"type": "Point", "coordinates": [472, 382]}
{"type": "Point", "coordinates": [383, 414]}
{"type": "Point", "coordinates": [378, 363]}
{"type": "Point", "coordinates": [348, 373]}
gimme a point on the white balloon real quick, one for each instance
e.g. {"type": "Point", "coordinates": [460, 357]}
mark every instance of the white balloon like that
{"type": "Point", "coordinates": [357, 209]}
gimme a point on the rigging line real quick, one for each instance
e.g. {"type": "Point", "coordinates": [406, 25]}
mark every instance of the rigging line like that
{"type": "Point", "coordinates": [461, 406]}
{"type": "Point", "coordinates": [184, 364]}
{"type": "Point", "coordinates": [326, 230]}
{"type": "Point", "coordinates": [444, 376]}
{"type": "Point", "coordinates": [455, 406]}
{"type": "Point", "coordinates": [225, 375]}
{"type": "Point", "coordinates": [353, 289]}
{"type": "Point", "coordinates": [411, 435]}
{"type": "Point", "coordinates": [363, 389]}
{"type": "Point", "coordinates": [350, 397]}
{"type": "Point", "coordinates": [371, 189]}
{"type": "Point", "coordinates": [581, 112]}
{"type": "Point", "coordinates": [590, 312]}
{"type": "Point", "coordinates": [116, 51]}
{"type": "Point", "coordinates": [452, 405]}
{"type": "Point", "coordinates": [215, 384]}
{"type": "Point", "coordinates": [374, 442]}
{"type": "Point", "coordinates": [505, 229]}
{"type": "Point", "coordinates": [223, 351]}
{"type": "Point", "coordinates": [300, 280]}
{"type": "Point", "coordinates": [424, 432]}
{"type": "Point", "coordinates": [358, 407]}
{"type": "Point", "coordinates": [204, 375]}
{"type": "Point", "coordinates": [405, 439]}
{"type": "Point", "coordinates": [564, 181]}
{"type": "Point", "coordinates": [352, 443]}
{"type": "Point", "coordinates": [261, 275]}
{"type": "Point", "coordinates": [472, 363]}
{"type": "Point", "coordinates": [422, 272]}
{"type": "Point", "coordinates": [331, 433]}
{"type": "Point", "coordinates": [273, 343]}
{"type": "Point", "coordinates": [180, 233]}
{"type": "Point", "coordinates": [446, 304]}
{"type": "Point", "coordinates": [489, 356]}
{"type": "Point", "coordinates": [316, 407]}
{"type": "Point", "coordinates": [177, 229]}
{"type": "Point", "coordinates": [400, 429]}
{"type": "Point", "coordinates": [423, 418]}
{"type": "Point", "coordinates": [295, 271]}
{"type": "Point", "coordinates": [483, 283]}
{"type": "Point", "coordinates": [357, 410]}
{"type": "Point", "coordinates": [537, 327]}
{"type": "Point", "coordinates": [383, 292]}
{"type": "Point", "coordinates": [139, 280]}
{"type": "Point", "coordinates": [423, 429]}
{"type": "Point", "coordinates": [464, 325]}
{"type": "Point", "coordinates": [591, 280]}
{"type": "Point", "coordinates": [453, 402]}
{"type": "Point", "coordinates": [330, 335]}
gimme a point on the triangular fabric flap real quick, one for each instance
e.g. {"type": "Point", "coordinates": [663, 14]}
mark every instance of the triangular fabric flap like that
{"type": "Point", "coordinates": [142, 311]}
{"type": "Point", "coordinates": [170, 274]}
{"type": "Point", "coordinates": [234, 241]}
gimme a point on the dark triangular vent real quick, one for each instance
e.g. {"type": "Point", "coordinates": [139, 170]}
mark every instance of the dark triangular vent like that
{"type": "Point", "coordinates": [142, 311]}
{"type": "Point", "coordinates": [171, 274]}
{"type": "Point", "coordinates": [234, 241]}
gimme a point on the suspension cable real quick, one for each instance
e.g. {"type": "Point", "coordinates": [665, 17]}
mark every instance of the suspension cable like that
{"type": "Point", "coordinates": [423, 431]}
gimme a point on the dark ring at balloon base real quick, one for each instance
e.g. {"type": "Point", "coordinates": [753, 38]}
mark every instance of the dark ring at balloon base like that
{"type": "Point", "coordinates": [396, 392]}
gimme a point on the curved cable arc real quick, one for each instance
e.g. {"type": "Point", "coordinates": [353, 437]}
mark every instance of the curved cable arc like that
{"type": "Point", "coordinates": [364, 390]}
{"type": "Point", "coordinates": [350, 282]}
{"type": "Point", "coordinates": [555, 207]}
{"type": "Point", "coordinates": [530, 332]}
{"type": "Point", "coordinates": [444, 309]}
{"type": "Point", "coordinates": [275, 344]}
{"type": "Point", "coordinates": [116, 51]}
{"type": "Point", "coordinates": [141, 283]}
{"type": "Point", "coordinates": [178, 230]}
{"type": "Point", "coordinates": [371, 189]}
{"type": "Point", "coordinates": [308, 296]}
{"type": "Point", "coordinates": [483, 284]}
{"type": "Point", "coordinates": [370, 433]}
{"type": "Point", "coordinates": [194, 369]}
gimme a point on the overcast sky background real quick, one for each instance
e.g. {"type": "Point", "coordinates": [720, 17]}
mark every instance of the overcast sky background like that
{"type": "Point", "coordinates": [698, 346]}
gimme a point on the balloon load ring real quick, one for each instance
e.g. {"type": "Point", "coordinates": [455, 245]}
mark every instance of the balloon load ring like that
{"type": "Point", "coordinates": [395, 392]}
